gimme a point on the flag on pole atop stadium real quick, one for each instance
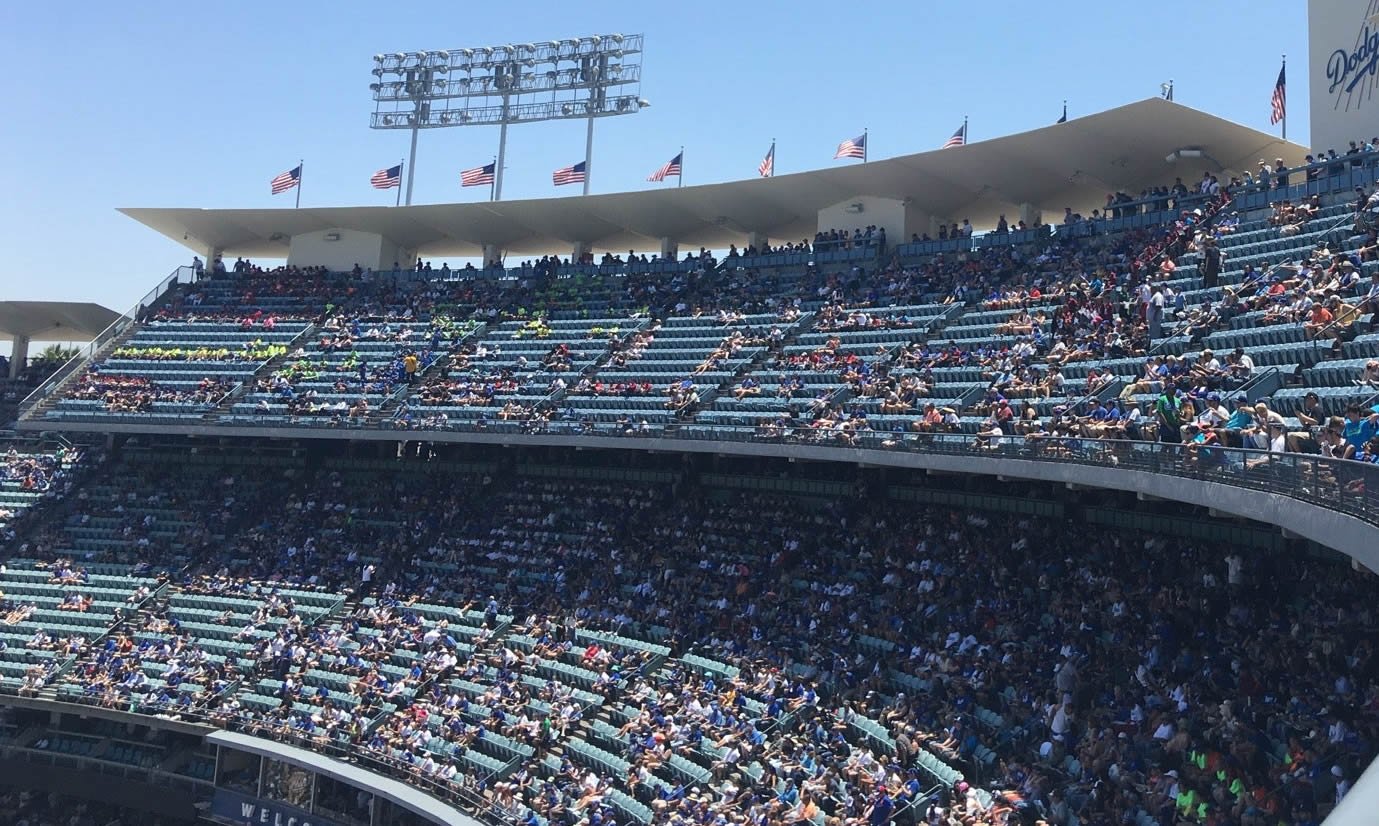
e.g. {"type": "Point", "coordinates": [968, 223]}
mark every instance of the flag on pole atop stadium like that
{"type": "Point", "coordinates": [387, 178]}
{"type": "Point", "coordinates": [569, 175]}
{"type": "Point", "coordinates": [959, 137]}
{"type": "Point", "coordinates": [670, 170]}
{"type": "Point", "coordinates": [1279, 100]}
{"type": "Point", "coordinates": [479, 175]}
{"type": "Point", "coordinates": [768, 163]}
{"type": "Point", "coordinates": [286, 181]}
{"type": "Point", "coordinates": [851, 148]}
{"type": "Point", "coordinates": [1064, 117]}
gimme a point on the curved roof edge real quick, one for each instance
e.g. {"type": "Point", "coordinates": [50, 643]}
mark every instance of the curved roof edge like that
{"type": "Point", "coordinates": [395, 791]}
{"type": "Point", "coordinates": [1342, 532]}
{"type": "Point", "coordinates": [1073, 164]}
{"type": "Point", "coordinates": [53, 320]}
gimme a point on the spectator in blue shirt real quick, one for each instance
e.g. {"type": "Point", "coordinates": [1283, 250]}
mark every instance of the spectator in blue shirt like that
{"type": "Point", "coordinates": [1359, 430]}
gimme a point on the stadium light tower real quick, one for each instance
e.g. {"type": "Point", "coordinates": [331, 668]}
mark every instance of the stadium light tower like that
{"type": "Point", "coordinates": [571, 79]}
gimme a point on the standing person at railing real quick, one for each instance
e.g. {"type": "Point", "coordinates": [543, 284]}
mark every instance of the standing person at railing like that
{"type": "Point", "coordinates": [1168, 413]}
{"type": "Point", "coordinates": [1280, 174]}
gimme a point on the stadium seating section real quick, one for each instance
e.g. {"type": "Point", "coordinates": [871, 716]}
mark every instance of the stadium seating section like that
{"type": "Point", "coordinates": [651, 643]}
{"type": "Point", "coordinates": [616, 349]}
{"type": "Point", "coordinates": [536, 621]}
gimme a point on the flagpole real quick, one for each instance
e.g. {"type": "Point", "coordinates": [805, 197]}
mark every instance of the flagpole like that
{"type": "Point", "coordinates": [865, 142]}
{"type": "Point", "coordinates": [773, 158]}
{"type": "Point", "coordinates": [1283, 73]}
{"type": "Point", "coordinates": [399, 182]}
{"type": "Point", "coordinates": [301, 173]}
{"type": "Point", "coordinates": [492, 182]}
{"type": "Point", "coordinates": [966, 137]}
{"type": "Point", "coordinates": [681, 176]}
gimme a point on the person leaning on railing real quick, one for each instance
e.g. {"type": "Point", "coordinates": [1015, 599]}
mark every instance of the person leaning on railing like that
{"type": "Point", "coordinates": [1359, 427]}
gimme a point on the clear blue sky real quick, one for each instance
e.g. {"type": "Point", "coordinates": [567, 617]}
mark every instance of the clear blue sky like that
{"type": "Point", "coordinates": [161, 104]}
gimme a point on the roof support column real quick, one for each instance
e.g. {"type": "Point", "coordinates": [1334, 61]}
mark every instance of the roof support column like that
{"type": "Point", "coordinates": [580, 249]}
{"type": "Point", "coordinates": [670, 249]}
{"type": "Point", "coordinates": [757, 240]}
{"type": "Point", "coordinates": [19, 355]}
{"type": "Point", "coordinates": [1030, 214]}
{"type": "Point", "coordinates": [493, 254]}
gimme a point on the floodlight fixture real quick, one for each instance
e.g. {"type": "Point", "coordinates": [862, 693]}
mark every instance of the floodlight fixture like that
{"type": "Point", "coordinates": [493, 85]}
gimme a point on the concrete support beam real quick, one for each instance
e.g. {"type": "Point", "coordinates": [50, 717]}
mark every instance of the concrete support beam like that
{"type": "Point", "coordinates": [670, 249]}
{"type": "Point", "coordinates": [493, 252]}
{"type": "Point", "coordinates": [19, 355]}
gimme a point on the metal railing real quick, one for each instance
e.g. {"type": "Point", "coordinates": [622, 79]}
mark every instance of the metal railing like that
{"type": "Point", "coordinates": [134, 315]}
{"type": "Point", "coordinates": [1345, 485]}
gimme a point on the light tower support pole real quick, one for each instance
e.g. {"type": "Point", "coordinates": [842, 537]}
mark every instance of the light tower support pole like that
{"type": "Point", "coordinates": [502, 153]}
{"type": "Point", "coordinates": [588, 154]}
{"type": "Point", "coordinates": [412, 156]}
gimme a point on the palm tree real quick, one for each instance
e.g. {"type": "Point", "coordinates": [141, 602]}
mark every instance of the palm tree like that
{"type": "Point", "coordinates": [55, 354]}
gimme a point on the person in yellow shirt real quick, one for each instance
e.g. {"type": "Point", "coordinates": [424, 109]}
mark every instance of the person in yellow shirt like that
{"type": "Point", "coordinates": [409, 366]}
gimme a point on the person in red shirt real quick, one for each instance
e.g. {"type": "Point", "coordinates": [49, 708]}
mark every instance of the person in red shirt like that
{"type": "Point", "coordinates": [1318, 320]}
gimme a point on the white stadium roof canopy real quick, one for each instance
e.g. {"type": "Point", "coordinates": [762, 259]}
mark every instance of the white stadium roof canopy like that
{"type": "Point", "coordinates": [1070, 164]}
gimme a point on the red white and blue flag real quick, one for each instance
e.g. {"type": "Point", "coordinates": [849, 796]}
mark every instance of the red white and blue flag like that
{"type": "Point", "coordinates": [569, 175]}
{"type": "Point", "coordinates": [851, 148]}
{"type": "Point", "coordinates": [959, 137]}
{"type": "Point", "coordinates": [286, 181]}
{"type": "Point", "coordinates": [767, 168]}
{"type": "Point", "coordinates": [387, 178]}
{"type": "Point", "coordinates": [479, 175]}
{"type": "Point", "coordinates": [1279, 101]}
{"type": "Point", "coordinates": [670, 170]}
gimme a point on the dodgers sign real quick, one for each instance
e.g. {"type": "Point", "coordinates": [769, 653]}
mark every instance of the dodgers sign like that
{"type": "Point", "coordinates": [1343, 72]}
{"type": "Point", "coordinates": [1347, 69]}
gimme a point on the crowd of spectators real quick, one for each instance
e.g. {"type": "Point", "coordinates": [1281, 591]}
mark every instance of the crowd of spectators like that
{"type": "Point", "coordinates": [37, 471]}
{"type": "Point", "coordinates": [254, 351]}
{"type": "Point", "coordinates": [132, 394]}
{"type": "Point", "coordinates": [1122, 683]}
{"type": "Point", "coordinates": [26, 807]}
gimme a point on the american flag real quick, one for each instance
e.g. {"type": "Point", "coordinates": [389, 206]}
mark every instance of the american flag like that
{"type": "Point", "coordinates": [1279, 101]}
{"type": "Point", "coordinates": [768, 163]}
{"type": "Point", "coordinates": [569, 175]}
{"type": "Point", "coordinates": [387, 178]}
{"type": "Point", "coordinates": [286, 181]}
{"type": "Point", "coordinates": [671, 169]}
{"type": "Point", "coordinates": [479, 175]}
{"type": "Point", "coordinates": [959, 137]}
{"type": "Point", "coordinates": [852, 148]}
